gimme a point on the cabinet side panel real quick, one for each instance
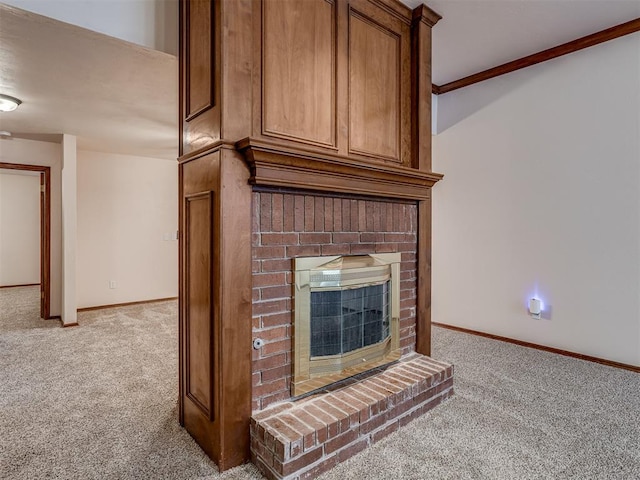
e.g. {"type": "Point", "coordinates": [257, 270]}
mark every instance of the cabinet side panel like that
{"type": "Point", "coordinates": [199, 311]}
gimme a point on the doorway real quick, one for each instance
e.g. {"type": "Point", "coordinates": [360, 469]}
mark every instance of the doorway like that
{"type": "Point", "coordinates": [45, 232]}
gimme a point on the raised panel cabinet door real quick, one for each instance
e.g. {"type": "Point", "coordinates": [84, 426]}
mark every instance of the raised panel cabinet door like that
{"type": "Point", "coordinates": [378, 68]}
{"type": "Point", "coordinates": [199, 404]}
{"type": "Point", "coordinates": [299, 70]}
{"type": "Point", "coordinates": [199, 321]}
{"type": "Point", "coordinates": [199, 44]}
{"type": "Point", "coordinates": [199, 102]}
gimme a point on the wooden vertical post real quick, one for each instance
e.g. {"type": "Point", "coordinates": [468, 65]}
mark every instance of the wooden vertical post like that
{"type": "Point", "coordinates": [423, 20]}
{"type": "Point", "coordinates": [215, 227]}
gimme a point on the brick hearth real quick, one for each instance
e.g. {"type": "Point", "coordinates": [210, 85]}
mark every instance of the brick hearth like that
{"type": "Point", "coordinates": [300, 440]}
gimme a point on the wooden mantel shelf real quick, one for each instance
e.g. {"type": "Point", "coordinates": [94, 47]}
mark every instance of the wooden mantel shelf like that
{"type": "Point", "coordinates": [273, 164]}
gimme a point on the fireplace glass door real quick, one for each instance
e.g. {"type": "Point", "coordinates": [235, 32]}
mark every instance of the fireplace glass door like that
{"type": "Point", "coordinates": [346, 320]}
{"type": "Point", "coordinates": [346, 317]}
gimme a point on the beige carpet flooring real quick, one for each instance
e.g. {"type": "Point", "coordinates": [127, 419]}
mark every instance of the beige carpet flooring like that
{"type": "Point", "coordinates": [99, 401]}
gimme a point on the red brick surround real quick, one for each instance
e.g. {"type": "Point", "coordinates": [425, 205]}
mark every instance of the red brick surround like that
{"type": "Point", "coordinates": [304, 439]}
{"type": "Point", "coordinates": [289, 225]}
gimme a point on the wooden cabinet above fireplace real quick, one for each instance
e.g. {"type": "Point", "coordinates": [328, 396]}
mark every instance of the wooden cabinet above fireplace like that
{"type": "Point", "coordinates": [335, 75]}
{"type": "Point", "coordinates": [340, 77]}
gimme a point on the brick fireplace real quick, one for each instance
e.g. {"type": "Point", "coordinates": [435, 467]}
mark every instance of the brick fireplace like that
{"type": "Point", "coordinates": [292, 439]}
{"type": "Point", "coordinates": [304, 132]}
{"type": "Point", "coordinates": [288, 225]}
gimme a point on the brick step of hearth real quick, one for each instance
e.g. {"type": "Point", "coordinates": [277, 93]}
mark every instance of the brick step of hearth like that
{"type": "Point", "coordinates": [302, 439]}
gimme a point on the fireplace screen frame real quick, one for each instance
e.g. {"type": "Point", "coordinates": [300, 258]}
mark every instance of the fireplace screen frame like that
{"type": "Point", "coordinates": [342, 272]}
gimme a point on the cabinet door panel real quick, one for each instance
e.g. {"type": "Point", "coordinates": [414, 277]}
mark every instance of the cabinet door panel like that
{"type": "Point", "coordinates": [199, 60]}
{"type": "Point", "coordinates": [199, 318]}
{"type": "Point", "coordinates": [374, 88]}
{"type": "Point", "coordinates": [298, 69]}
{"type": "Point", "coordinates": [200, 66]}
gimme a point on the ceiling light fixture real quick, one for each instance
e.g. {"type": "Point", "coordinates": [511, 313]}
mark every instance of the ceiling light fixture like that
{"type": "Point", "coordinates": [8, 104]}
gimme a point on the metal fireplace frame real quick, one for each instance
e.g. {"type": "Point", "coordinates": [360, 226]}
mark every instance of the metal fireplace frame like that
{"type": "Point", "coordinates": [340, 273]}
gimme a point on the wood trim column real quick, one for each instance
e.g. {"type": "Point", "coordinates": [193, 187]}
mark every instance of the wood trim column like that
{"type": "Point", "coordinates": [181, 299]}
{"type": "Point", "coordinates": [423, 307]}
{"type": "Point", "coordinates": [235, 303]}
{"type": "Point", "coordinates": [215, 328]}
{"type": "Point", "coordinates": [423, 20]}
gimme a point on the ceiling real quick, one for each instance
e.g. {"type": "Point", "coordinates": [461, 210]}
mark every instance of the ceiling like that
{"type": "Point", "coordinates": [119, 97]}
{"type": "Point", "coordinates": [113, 95]}
{"type": "Point", "coordinates": [475, 35]}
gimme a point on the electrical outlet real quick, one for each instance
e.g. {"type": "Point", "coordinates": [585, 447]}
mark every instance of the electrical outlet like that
{"type": "Point", "coordinates": [112, 284]}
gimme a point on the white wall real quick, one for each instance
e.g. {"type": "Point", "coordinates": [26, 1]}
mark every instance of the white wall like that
{"type": "Point", "coordinates": [127, 206]}
{"type": "Point", "coordinates": [30, 152]}
{"type": "Point", "coordinates": [150, 23]}
{"type": "Point", "coordinates": [541, 196]}
{"type": "Point", "coordinates": [19, 228]}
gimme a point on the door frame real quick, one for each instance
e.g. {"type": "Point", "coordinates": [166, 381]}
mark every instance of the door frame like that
{"type": "Point", "coordinates": [45, 232]}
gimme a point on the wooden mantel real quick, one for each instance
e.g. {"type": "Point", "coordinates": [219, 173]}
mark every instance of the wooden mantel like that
{"type": "Point", "coordinates": [274, 165]}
